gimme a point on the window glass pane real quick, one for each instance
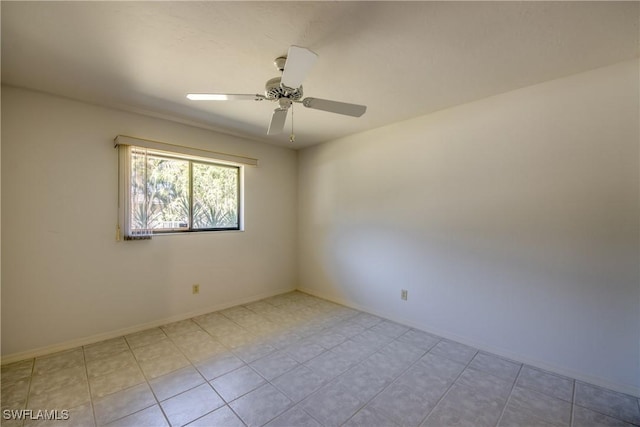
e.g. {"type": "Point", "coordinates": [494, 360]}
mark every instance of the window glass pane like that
{"type": "Point", "coordinates": [163, 203]}
{"type": "Point", "coordinates": [174, 194]}
{"type": "Point", "coordinates": [215, 196]}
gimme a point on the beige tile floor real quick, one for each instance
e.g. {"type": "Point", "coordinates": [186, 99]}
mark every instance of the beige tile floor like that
{"type": "Point", "coordinates": [297, 360]}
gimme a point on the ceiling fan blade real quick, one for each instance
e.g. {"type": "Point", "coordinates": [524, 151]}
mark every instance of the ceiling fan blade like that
{"type": "Point", "coordinates": [277, 121]}
{"type": "Point", "coordinates": [299, 63]}
{"type": "Point", "coordinates": [224, 97]}
{"type": "Point", "coordinates": [353, 110]}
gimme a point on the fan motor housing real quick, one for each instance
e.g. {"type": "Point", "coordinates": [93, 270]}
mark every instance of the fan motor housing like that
{"type": "Point", "coordinates": [274, 90]}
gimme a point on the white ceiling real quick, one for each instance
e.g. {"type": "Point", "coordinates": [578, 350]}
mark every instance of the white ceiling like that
{"type": "Point", "coordinates": [401, 59]}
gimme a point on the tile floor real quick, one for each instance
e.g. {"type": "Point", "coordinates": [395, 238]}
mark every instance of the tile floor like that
{"type": "Point", "coordinates": [297, 360]}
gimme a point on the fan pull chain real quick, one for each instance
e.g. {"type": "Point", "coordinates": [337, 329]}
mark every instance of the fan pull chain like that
{"type": "Point", "coordinates": [292, 137]}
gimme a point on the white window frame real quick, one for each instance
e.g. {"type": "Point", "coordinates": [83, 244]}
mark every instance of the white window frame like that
{"type": "Point", "coordinates": [125, 144]}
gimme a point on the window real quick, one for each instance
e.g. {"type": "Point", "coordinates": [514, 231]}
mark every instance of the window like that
{"type": "Point", "coordinates": [169, 192]}
{"type": "Point", "coordinates": [173, 194]}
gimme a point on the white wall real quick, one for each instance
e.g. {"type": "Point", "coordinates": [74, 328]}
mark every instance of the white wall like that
{"type": "Point", "coordinates": [65, 279]}
{"type": "Point", "coordinates": [512, 221]}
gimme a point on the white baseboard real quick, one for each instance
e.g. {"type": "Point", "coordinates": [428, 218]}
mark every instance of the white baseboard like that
{"type": "Point", "coordinates": [67, 345]}
{"type": "Point", "coordinates": [520, 358]}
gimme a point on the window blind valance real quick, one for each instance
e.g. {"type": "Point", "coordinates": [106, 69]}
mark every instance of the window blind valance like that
{"type": "Point", "coordinates": [181, 149]}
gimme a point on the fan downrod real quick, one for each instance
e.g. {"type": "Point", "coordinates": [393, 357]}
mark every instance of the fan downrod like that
{"type": "Point", "coordinates": [279, 62]}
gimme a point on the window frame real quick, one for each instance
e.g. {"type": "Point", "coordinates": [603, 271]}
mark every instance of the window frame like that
{"type": "Point", "coordinates": [124, 190]}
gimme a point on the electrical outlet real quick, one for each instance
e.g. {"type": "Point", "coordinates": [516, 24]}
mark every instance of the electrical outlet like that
{"type": "Point", "coordinates": [404, 294]}
{"type": "Point", "coordinates": [196, 289]}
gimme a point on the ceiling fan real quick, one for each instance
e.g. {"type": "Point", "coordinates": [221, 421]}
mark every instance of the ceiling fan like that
{"type": "Point", "coordinates": [286, 90]}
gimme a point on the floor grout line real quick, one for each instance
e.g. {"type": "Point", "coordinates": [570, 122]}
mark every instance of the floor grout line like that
{"type": "Point", "coordinates": [86, 372]}
{"type": "Point", "coordinates": [513, 386]}
{"type": "Point", "coordinates": [573, 403]}
{"type": "Point", "coordinates": [450, 386]}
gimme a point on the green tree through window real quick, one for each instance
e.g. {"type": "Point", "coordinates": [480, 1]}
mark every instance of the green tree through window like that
{"type": "Point", "coordinates": [171, 194]}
